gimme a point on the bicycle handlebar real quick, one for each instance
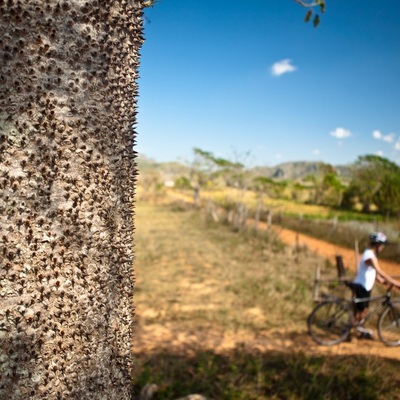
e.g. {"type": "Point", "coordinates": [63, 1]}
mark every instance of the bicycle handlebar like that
{"type": "Point", "coordinates": [391, 286]}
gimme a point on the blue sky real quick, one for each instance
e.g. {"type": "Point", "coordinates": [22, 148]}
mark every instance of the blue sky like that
{"type": "Point", "coordinates": [239, 76]}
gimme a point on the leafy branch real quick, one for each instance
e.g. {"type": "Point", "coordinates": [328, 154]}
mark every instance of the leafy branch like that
{"type": "Point", "coordinates": [311, 14]}
{"type": "Point", "coordinates": [150, 3]}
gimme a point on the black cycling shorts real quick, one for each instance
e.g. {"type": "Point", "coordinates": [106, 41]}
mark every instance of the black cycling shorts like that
{"type": "Point", "coordinates": [361, 293]}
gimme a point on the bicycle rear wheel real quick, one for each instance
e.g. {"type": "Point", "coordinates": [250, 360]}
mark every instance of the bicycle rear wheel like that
{"type": "Point", "coordinates": [389, 325]}
{"type": "Point", "coordinates": [330, 323]}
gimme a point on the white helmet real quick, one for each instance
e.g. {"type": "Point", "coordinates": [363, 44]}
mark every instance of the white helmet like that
{"type": "Point", "coordinates": [378, 238]}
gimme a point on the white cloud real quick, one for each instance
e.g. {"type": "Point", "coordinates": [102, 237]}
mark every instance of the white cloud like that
{"type": "Point", "coordinates": [386, 138]}
{"type": "Point", "coordinates": [316, 151]}
{"type": "Point", "coordinates": [389, 138]}
{"type": "Point", "coordinates": [379, 153]}
{"type": "Point", "coordinates": [377, 134]}
{"type": "Point", "coordinates": [278, 156]}
{"type": "Point", "coordinates": [397, 145]}
{"type": "Point", "coordinates": [282, 67]}
{"type": "Point", "coordinates": [341, 133]}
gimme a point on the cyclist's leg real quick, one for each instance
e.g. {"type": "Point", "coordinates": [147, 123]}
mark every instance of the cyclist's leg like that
{"type": "Point", "coordinates": [360, 307]}
{"type": "Point", "coordinates": [361, 310]}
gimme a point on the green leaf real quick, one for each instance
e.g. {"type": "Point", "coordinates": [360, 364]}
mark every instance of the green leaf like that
{"type": "Point", "coordinates": [322, 7]}
{"type": "Point", "coordinates": [308, 16]}
{"type": "Point", "coordinates": [316, 21]}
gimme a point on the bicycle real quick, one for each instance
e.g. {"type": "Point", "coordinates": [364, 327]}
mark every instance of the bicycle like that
{"type": "Point", "coordinates": [331, 321]}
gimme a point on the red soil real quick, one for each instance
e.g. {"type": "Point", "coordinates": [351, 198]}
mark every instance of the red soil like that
{"type": "Point", "coordinates": [329, 250]}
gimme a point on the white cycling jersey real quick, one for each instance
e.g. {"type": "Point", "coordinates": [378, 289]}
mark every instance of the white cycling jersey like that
{"type": "Point", "coordinates": [366, 274]}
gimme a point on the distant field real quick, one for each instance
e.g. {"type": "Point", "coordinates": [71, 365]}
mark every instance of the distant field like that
{"type": "Point", "coordinates": [250, 198]}
{"type": "Point", "coordinates": [343, 228]}
{"type": "Point", "coordinates": [280, 205]}
{"type": "Point", "coordinates": [223, 314]}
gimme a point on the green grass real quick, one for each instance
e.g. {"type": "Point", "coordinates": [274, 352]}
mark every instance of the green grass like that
{"type": "Point", "coordinates": [248, 375]}
{"type": "Point", "coordinates": [201, 280]}
{"type": "Point", "coordinates": [175, 245]}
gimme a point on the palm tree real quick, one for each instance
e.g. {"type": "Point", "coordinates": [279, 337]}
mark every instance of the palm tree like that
{"type": "Point", "coordinates": [67, 177]}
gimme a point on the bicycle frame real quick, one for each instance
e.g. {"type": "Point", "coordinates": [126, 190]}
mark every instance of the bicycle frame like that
{"type": "Point", "coordinates": [375, 310]}
{"type": "Point", "coordinates": [332, 320]}
{"type": "Point", "coordinates": [385, 300]}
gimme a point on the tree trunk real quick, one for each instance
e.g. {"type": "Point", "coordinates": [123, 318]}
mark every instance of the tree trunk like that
{"type": "Point", "coordinates": [257, 214]}
{"type": "Point", "coordinates": [366, 207]}
{"type": "Point", "coordinates": [67, 177]}
{"type": "Point", "coordinates": [196, 196]}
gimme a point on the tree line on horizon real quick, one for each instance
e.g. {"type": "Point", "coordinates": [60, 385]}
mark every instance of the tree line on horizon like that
{"type": "Point", "coordinates": [372, 186]}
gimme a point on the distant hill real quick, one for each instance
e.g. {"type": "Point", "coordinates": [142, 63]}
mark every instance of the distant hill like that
{"type": "Point", "coordinates": [168, 170]}
{"type": "Point", "coordinates": [297, 170]}
{"type": "Point", "coordinates": [289, 170]}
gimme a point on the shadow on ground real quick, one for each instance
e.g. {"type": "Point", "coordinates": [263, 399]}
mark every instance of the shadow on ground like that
{"type": "Point", "coordinates": [246, 375]}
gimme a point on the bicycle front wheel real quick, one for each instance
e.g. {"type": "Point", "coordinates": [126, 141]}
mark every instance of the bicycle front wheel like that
{"type": "Point", "coordinates": [330, 323]}
{"type": "Point", "coordinates": [389, 325]}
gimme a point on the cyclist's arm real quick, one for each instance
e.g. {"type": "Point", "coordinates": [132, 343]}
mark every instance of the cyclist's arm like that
{"type": "Point", "coordinates": [382, 276]}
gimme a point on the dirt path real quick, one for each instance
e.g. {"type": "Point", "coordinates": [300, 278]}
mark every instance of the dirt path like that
{"type": "Point", "coordinates": [157, 337]}
{"type": "Point", "coordinates": [329, 250]}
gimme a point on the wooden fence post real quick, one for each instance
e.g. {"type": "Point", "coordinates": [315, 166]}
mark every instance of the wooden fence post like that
{"type": "Point", "coordinates": [357, 252]}
{"type": "Point", "coordinates": [316, 283]}
{"type": "Point", "coordinates": [257, 216]}
{"type": "Point", "coordinates": [269, 220]}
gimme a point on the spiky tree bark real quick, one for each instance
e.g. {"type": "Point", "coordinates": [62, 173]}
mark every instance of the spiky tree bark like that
{"type": "Point", "coordinates": [67, 176]}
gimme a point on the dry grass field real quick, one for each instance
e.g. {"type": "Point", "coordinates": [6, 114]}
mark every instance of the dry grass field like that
{"type": "Point", "coordinates": [223, 314]}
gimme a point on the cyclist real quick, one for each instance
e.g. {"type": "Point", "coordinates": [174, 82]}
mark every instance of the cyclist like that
{"type": "Point", "coordinates": [368, 271]}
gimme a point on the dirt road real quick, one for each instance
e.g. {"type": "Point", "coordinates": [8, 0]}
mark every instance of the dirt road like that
{"type": "Point", "coordinates": [329, 250]}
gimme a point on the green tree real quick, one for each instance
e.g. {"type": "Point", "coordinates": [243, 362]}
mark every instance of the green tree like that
{"type": "Point", "coordinates": [182, 182]}
{"type": "Point", "coordinates": [333, 190]}
{"type": "Point", "coordinates": [326, 186]}
{"type": "Point", "coordinates": [269, 186]}
{"type": "Point", "coordinates": [203, 170]}
{"type": "Point", "coordinates": [299, 191]}
{"type": "Point", "coordinates": [388, 197]}
{"type": "Point", "coordinates": [374, 182]}
{"type": "Point", "coordinates": [206, 169]}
